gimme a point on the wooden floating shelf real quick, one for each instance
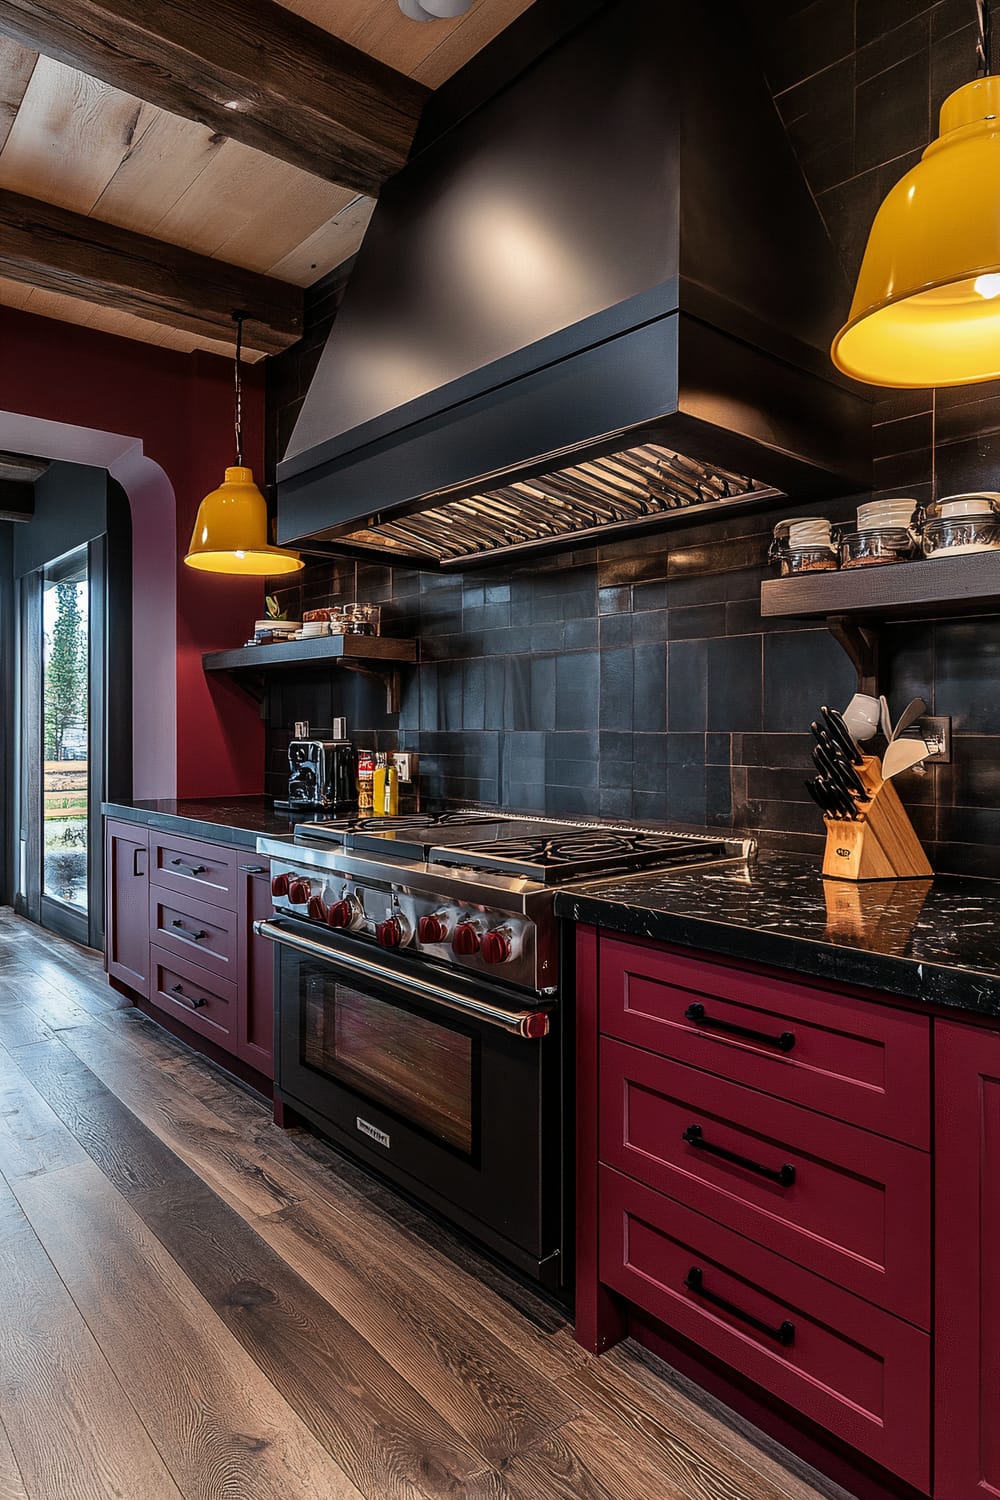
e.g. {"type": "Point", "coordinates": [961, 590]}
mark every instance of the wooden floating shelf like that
{"type": "Point", "coordinates": [322, 650]}
{"type": "Point", "coordinates": [378, 656]}
{"type": "Point", "coordinates": [891, 591]}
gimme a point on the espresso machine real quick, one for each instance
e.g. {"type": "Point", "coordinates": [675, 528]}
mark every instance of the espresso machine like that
{"type": "Point", "coordinates": [323, 775]}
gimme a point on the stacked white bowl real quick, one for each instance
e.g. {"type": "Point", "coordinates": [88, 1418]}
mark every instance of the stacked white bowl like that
{"type": "Point", "coordinates": [809, 532]}
{"type": "Point", "coordinates": [313, 628]}
{"type": "Point", "coordinates": [886, 515]}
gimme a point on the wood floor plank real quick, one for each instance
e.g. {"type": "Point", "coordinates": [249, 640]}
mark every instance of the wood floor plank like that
{"type": "Point", "coordinates": [489, 1395]}
{"type": "Point", "coordinates": [220, 1426]}
{"type": "Point", "coordinates": [305, 1170]}
{"type": "Point", "coordinates": [11, 1483]}
{"type": "Point", "coordinates": [210, 1147]}
{"type": "Point", "coordinates": [386, 1437]}
{"type": "Point", "coordinates": [32, 1138]}
{"type": "Point", "coordinates": [20, 1027]}
{"type": "Point", "coordinates": [51, 1004]}
{"type": "Point", "coordinates": [73, 1432]}
{"type": "Point", "coordinates": [586, 1460]}
{"type": "Point", "coordinates": [629, 1388]}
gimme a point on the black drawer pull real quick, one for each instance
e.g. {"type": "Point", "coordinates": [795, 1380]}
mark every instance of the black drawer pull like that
{"type": "Point", "coordinates": [255, 869]}
{"type": "Point", "coordinates": [784, 1042]}
{"type": "Point", "coordinates": [197, 936]}
{"type": "Point", "coordinates": [784, 1333]}
{"type": "Point", "coordinates": [189, 869]}
{"type": "Point", "coordinates": [785, 1174]}
{"type": "Point", "coordinates": [186, 999]}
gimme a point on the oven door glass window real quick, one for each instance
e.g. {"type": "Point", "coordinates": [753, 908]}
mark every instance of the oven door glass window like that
{"type": "Point", "coordinates": [420, 1069]}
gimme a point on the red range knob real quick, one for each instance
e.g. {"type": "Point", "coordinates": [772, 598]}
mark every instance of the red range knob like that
{"type": "Point", "coordinates": [298, 891]}
{"type": "Point", "coordinates": [495, 947]}
{"type": "Point", "coordinates": [279, 885]}
{"type": "Point", "coordinates": [466, 940]}
{"type": "Point", "coordinates": [339, 914]}
{"type": "Point", "coordinates": [432, 930]}
{"type": "Point", "coordinates": [389, 933]}
{"type": "Point", "coordinates": [317, 908]}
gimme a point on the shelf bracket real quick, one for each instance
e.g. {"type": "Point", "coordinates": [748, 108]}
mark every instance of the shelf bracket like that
{"type": "Point", "coordinates": [861, 643]}
{"type": "Point", "coordinates": [389, 678]}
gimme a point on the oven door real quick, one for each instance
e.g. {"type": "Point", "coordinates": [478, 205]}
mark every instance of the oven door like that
{"type": "Point", "coordinates": [447, 1086]}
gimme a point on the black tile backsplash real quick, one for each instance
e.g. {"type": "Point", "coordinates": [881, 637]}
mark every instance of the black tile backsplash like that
{"type": "Point", "coordinates": [639, 680]}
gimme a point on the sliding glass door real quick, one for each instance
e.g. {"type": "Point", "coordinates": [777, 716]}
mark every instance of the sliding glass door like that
{"type": "Point", "coordinates": [66, 717]}
{"type": "Point", "coordinates": [61, 690]}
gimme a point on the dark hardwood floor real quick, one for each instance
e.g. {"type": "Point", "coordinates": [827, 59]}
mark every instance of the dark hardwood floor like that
{"type": "Point", "coordinates": [195, 1304]}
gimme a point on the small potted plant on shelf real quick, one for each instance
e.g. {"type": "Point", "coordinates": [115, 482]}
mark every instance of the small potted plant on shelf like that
{"type": "Point", "coordinates": [276, 626]}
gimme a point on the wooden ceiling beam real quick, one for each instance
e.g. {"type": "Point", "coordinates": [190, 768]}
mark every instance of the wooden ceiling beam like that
{"type": "Point", "coordinates": [61, 251]}
{"type": "Point", "coordinates": [248, 69]}
{"type": "Point", "coordinates": [19, 468]}
{"type": "Point", "coordinates": [17, 500]}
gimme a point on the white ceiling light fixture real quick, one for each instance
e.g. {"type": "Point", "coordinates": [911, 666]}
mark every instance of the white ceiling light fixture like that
{"type": "Point", "coordinates": [434, 10]}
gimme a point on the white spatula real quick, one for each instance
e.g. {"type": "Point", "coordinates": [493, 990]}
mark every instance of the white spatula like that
{"type": "Point", "coordinates": [901, 755]}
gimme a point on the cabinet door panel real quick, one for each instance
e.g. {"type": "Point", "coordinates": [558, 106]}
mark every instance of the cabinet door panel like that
{"type": "Point", "coordinates": [193, 995]}
{"type": "Point", "coordinates": [855, 1060]}
{"type": "Point", "coordinates": [255, 1011]}
{"type": "Point", "coordinates": [967, 1427]}
{"type": "Point", "coordinates": [192, 929]}
{"type": "Point", "coordinates": [856, 1370]}
{"type": "Point", "coordinates": [189, 867]}
{"type": "Point", "coordinates": [127, 904]}
{"type": "Point", "coordinates": [847, 1204]}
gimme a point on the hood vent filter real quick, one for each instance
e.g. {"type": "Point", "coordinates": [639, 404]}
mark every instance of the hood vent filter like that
{"type": "Point", "coordinates": [586, 501]}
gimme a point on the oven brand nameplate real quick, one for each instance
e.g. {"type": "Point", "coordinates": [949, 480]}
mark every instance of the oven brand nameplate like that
{"type": "Point", "coordinates": [379, 1136]}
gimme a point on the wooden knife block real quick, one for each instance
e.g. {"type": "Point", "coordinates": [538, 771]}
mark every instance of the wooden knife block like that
{"type": "Point", "coordinates": [881, 845]}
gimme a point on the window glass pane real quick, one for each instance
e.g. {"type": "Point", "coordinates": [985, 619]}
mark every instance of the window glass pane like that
{"type": "Point", "coordinates": [65, 704]}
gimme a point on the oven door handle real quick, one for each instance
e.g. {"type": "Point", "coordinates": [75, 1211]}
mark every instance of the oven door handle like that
{"type": "Point", "coordinates": [530, 1024]}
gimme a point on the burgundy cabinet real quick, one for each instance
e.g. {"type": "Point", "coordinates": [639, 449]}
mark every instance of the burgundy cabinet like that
{"type": "Point", "coordinates": [967, 1331]}
{"type": "Point", "coordinates": [255, 1007]}
{"type": "Point", "coordinates": [127, 904]}
{"type": "Point", "coordinates": [754, 1181]}
{"type": "Point", "coordinates": [180, 934]}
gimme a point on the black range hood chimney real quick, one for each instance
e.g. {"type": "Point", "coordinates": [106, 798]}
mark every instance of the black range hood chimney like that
{"type": "Point", "coordinates": [602, 298]}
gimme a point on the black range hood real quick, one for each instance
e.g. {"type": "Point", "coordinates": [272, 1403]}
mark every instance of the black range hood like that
{"type": "Point", "coordinates": [602, 298]}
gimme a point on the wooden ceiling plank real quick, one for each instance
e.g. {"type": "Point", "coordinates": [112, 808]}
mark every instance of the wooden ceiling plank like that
{"type": "Point", "coordinates": [249, 209]}
{"type": "Point", "coordinates": [455, 46]}
{"type": "Point", "coordinates": [59, 251]}
{"type": "Point", "coordinates": [328, 248]}
{"type": "Point", "coordinates": [250, 69]}
{"type": "Point", "coordinates": [17, 64]}
{"type": "Point", "coordinates": [158, 171]}
{"type": "Point", "coordinates": [70, 137]}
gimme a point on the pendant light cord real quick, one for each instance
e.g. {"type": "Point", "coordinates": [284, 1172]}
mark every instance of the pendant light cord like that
{"type": "Point", "coordinates": [984, 40]}
{"type": "Point", "coordinates": [238, 387]}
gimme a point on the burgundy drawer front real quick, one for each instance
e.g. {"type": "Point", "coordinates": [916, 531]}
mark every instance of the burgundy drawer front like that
{"type": "Point", "coordinates": [866, 1063]}
{"type": "Point", "coordinates": [861, 1373]}
{"type": "Point", "coordinates": [191, 994]}
{"type": "Point", "coordinates": [188, 867]}
{"type": "Point", "coordinates": [840, 1201]}
{"type": "Point", "coordinates": [193, 930]}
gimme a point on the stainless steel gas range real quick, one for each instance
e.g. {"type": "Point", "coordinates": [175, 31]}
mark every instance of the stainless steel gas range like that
{"type": "Point", "coordinates": [422, 1023]}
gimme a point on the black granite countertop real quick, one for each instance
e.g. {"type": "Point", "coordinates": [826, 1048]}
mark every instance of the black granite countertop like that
{"type": "Point", "coordinates": [221, 820]}
{"type": "Point", "coordinates": [936, 941]}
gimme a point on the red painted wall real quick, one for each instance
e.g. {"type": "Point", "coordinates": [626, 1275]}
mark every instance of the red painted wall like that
{"type": "Point", "coordinates": [180, 407]}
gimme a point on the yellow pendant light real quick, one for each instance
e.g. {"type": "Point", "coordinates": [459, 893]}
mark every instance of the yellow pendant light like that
{"type": "Point", "coordinates": [926, 310]}
{"type": "Point", "coordinates": [230, 530]}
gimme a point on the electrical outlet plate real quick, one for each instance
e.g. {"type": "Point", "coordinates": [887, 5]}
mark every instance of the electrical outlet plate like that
{"type": "Point", "coordinates": [401, 760]}
{"type": "Point", "coordinates": [935, 731]}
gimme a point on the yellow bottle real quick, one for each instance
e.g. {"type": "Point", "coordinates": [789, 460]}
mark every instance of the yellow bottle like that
{"type": "Point", "coordinates": [385, 789]}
